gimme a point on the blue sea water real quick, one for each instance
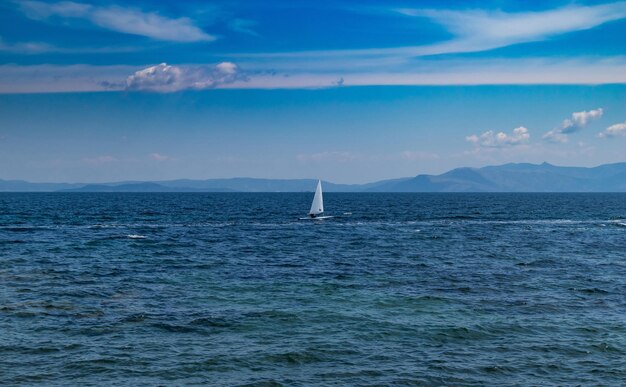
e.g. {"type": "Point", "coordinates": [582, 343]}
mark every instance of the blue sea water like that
{"type": "Point", "coordinates": [232, 289]}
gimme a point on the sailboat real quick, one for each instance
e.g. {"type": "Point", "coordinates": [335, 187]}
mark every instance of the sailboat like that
{"type": "Point", "coordinates": [317, 206]}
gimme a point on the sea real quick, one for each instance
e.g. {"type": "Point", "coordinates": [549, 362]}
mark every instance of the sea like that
{"type": "Point", "coordinates": [233, 289]}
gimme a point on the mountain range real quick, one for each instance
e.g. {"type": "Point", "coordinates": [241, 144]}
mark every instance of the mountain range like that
{"type": "Point", "coordinates": [512, 177]}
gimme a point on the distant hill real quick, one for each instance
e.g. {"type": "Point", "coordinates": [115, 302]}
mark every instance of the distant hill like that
{"type": "Point", "coordinates": [511, 177]}
{"type": "Point", "coordinates": [244, 184]}
{"type": "Point", "coordinates": [217, 185]}
{"type": "Point", "coordinates": [25, 186]}
{"type": "Point", "coordinates": [517, 178]}
{"type": "Point", "coordinates": [128, 187]}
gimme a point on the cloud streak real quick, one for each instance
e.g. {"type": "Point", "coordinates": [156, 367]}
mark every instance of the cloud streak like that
{"type": "Point", "coordinates": [60, 78]}
{"type": "Point", "coordinates": [26, 47]}
{"type": "Point", "coordinates": [72, 78]}
{"type": "Point", "coordinates": [576, 122]}
{"type": "Point", "coordinates": [476, 31]}
{"type": "Point", "coordinates": [472, 31]}
{"type": "Point", "coordinates": [243, 26]}
{"type": "Point", "coordinates": [486, 30]}
{"type": "Point", "coordinates": [32, 48]}
{"type": "Point", "coordinates": [120, 19]}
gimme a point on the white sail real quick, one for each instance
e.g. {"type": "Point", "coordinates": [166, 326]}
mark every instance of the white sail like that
{"type": "Point", "coordinates": [317, 207]}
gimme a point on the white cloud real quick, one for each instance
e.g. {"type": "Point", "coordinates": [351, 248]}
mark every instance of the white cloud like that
{"type": "Point", "coordinates": [120, 19]}
{"type": "Point", "coordinates": [166, 78]}
{"type": "Point", "coordinates": [227, 68]}
{"type": "Point", "coordinates": [576, 122]}
{"type": "Point", "coordinates": [555, 135]}
{"type": "Point", "coordinates": [580, 119]}
{"type": "Point", "coordinates": [491, 139]}
{"type": "Point", "coordinates": [159, 157]}
{"type": "Point", "coordinates": [614, 131]}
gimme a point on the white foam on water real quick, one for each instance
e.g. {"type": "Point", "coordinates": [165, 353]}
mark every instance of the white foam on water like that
{"type": "Point", "coordinates": [136, 236]}
{"type": "Point", "coordinates": [105, 225]}
{"type": "Point", "coordinates": [618, 222]}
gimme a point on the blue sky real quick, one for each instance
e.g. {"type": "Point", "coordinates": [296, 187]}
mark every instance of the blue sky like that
{"type": "Point", "coordinates": [345, 91]}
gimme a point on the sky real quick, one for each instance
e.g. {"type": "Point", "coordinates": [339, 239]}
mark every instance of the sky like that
{"type": "Point", "coordinates": [346, 91]}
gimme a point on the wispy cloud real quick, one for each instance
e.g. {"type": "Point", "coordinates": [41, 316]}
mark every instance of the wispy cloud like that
{"type": "Point", "coordinates": [492, 139]}
{"type": "Point", "coordinates": [471, 31]}
{"type": "Point", "coordinates": [160, 157]}
{"type": "Point", "coordinates": [166, 78]}
{"type": "Point", "coordinates": [72, 78]}
{"type": "Point", "coordinates": [480, 30]}
{"type": "Point", "coordinates": [120, 19]}
{"type": "Point", "coordinates": [32, 48]}
{"type": "Point", "coordinates": [300, 72]}
{"type": "Point", "coordinates": [576, 122]}
{"type": "Point", "coordinates": [243, 26]}
{"type": "Point", "coordinates": [59, 78]}
{"type": "Point", "coordinates": [614, 131]}
{"type": "Point", "coordinates": [26, 47]}
{"type": "Point", "coordinates": [485, 30]}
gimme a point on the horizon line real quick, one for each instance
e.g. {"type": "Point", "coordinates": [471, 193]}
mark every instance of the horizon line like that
{"type": "Point", "coordinates": [134, 181]}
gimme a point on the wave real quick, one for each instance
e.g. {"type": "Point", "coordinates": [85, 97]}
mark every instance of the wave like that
{"type": "Point", "coordinates": [103, 225]}
{"type": "Point", "coordinates": [15, 228]}
{"type": "Point", "coordinates": [418, 224]}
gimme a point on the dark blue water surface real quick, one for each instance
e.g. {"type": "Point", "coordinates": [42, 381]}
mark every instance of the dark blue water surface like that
{"type": "Point", "coordinates": [233, 289]}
